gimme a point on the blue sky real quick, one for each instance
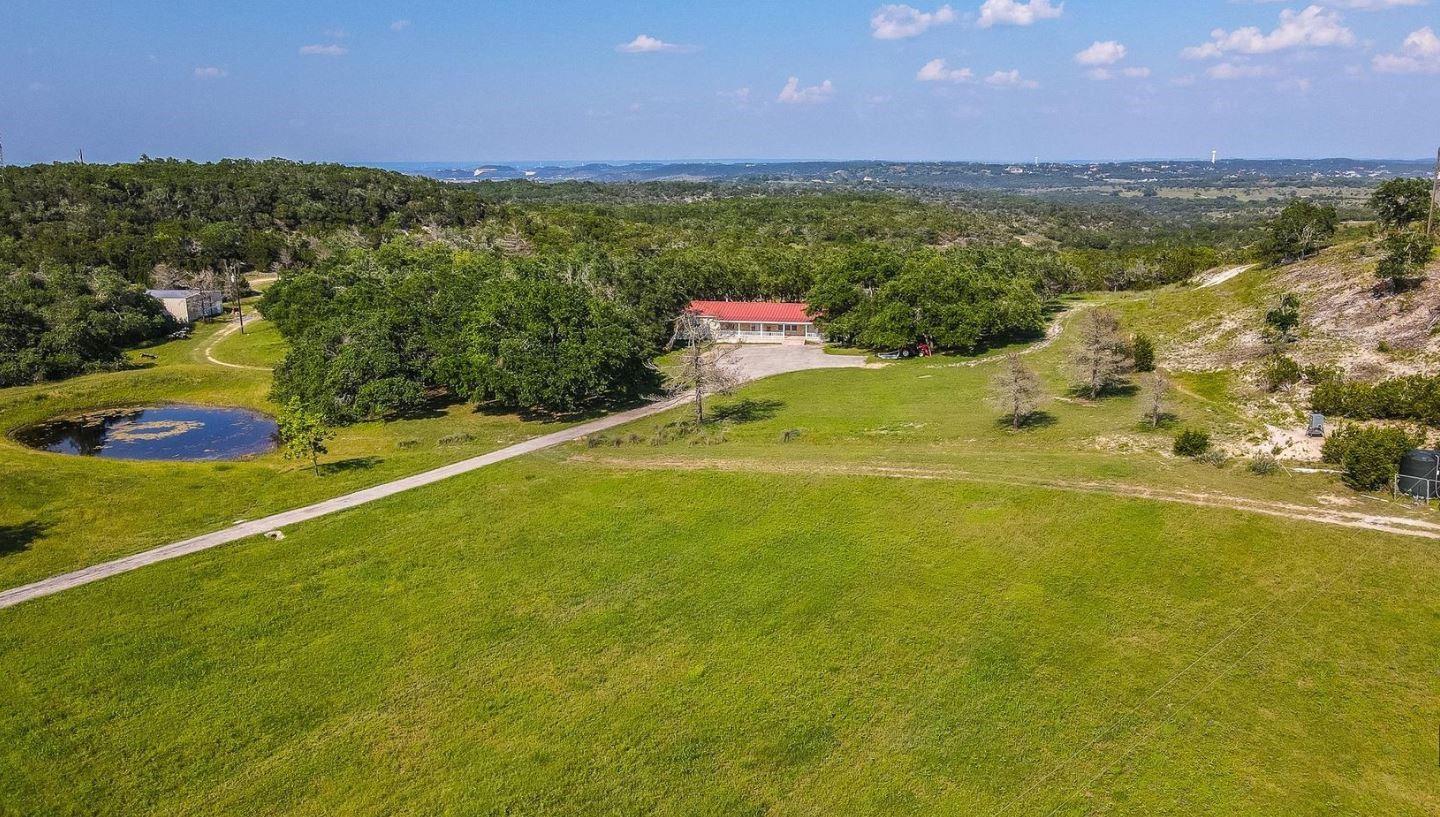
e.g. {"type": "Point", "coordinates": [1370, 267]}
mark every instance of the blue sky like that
{"type": "Point", "coordinates": [568, 80]}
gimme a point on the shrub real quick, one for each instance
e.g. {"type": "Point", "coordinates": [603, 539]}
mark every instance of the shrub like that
{"type": "Point", "coordinates": [1142, 350]}
{"type": "Point", "coordinates": [1264, 464]}
{"type": "Point", "coordinates": [790, 434]}
{"type": "Point", "coordinates": [1370, 457]}
{"type": "Point", "coordinates": [1281, 371]}
{"type": "Point", "coordinates": [407, 443]}
{"type": "Point", "coordinates": [459, 438]}
{"type": "Point", "coordinates": [1214, 457]}
{"type": "Point", "coordinates": [1191, 443]}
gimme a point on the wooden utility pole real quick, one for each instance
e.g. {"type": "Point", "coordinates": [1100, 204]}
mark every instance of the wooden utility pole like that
{"type": "Point", "coordinates": [1434, 195]}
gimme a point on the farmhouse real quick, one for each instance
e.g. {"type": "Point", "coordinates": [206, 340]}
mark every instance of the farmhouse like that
{"type": "Point", "coordinates": [188, 305]}
{"type": "Point", "coordinates": [756, 322]}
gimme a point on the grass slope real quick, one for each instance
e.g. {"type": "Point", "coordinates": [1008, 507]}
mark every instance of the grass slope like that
{"type": "Point", "coordinates": [558, 638]}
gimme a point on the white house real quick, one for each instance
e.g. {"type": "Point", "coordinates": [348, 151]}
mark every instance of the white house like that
{"type": "Point", "coordinates": [756, 321]}
{"type": "Point", "coordinates": [189, 305]}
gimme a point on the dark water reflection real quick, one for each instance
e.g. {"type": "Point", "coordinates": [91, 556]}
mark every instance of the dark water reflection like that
{"type": "Point", "coordinates": [160, 433]}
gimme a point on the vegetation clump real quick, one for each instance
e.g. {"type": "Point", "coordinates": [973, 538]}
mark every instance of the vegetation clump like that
{"type": "Point", "coordinates": [1191, 442]}
{"type": "Point", "coordinates": [1413, 397]}
{"type": "Point", "coordinates": [1301, 230]}
{"type": "Point", "coordinates": [1369, 455]}
{"type": "Point", "coordinates": [1016, 391]}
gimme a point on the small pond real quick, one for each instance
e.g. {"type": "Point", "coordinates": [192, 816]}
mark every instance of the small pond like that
{"type": "Point", "coordinates": [157, 433]}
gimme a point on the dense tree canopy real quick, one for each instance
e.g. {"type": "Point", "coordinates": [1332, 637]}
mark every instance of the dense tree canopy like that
{"type": "Point", "coordinates": [957, 300]}
{"type": "Point", "coordinates": [55, 323]}
{"type": "Point", "coordinates": [132, 217]}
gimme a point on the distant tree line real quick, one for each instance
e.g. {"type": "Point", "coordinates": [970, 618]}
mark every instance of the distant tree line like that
{"type": "Point", "coordinates": [131, 218]}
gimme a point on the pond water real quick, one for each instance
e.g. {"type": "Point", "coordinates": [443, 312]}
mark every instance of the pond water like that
{"type": "Point", "coordinates": [157, 433]}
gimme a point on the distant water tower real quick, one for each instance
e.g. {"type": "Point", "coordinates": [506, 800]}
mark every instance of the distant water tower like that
{"type": "Point", "coordinates": [1214, 156]}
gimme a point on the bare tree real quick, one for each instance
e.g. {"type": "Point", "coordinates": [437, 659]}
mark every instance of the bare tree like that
{"type": "Point", "coordinates": [1102, 358]}
{"type": "Point", "coordinates": [1016, 390]}
{"type": "Point", "coordinates": [1157, 398]}
{"type": "Point", "coordinates": [705, 366]}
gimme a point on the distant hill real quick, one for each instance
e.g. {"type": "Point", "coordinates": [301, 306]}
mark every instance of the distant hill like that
{"type": "Point", "coordinates": [1026, 177]}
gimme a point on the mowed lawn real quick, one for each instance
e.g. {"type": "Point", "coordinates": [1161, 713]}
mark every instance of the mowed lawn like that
{"type": "Point", "coordinates": [549, 637]}
{"type": "Point", "coordinates": [60, 512]}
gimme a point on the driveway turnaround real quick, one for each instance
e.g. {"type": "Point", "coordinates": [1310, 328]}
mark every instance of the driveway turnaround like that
{"type": "Point", "coordinates": [753, 363]}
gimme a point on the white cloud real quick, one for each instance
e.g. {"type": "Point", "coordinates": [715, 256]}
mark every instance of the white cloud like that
{"type": "Point", "coordinates": [1373, 5]}
{"type": "Point", "coordinates": [325, 50]}
{"type": "Point", "coordinates": [1419, 54]}
{"type": "Point", "coordinates": [210, 72]}
{"type": "Point", "coordinates": [897, 22]}
{"type": "Point", "coordinates": [793, 94]}
{"type": "Point", "coordinates": [1106, 53]}
{"type": "Point", "coordinates": [1010, 79]}
{"type": "Point", "coordinates": [399, 25]}
{"type": "Point", "coordinates": [1017, 13]}
{"type": "Point", "coordinates": [1314, 27]}
{"type": "Point", "coordinates": [1231, 70]}
{"type": "Point", "coordinates": [937, 71]}
{"type": "Point", "coordinates": [645, 44]}
{"type": "Point", "coordinates": [741, 96]}
{"type": "Point", "coordinates": [335, 33]}
{"type": "Point", "coordinates": [1103, 74]}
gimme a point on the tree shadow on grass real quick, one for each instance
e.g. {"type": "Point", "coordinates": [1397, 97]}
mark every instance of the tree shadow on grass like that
{"type": "Point", "coordinates": [1118, 390]}
{"type": "Point", "coordinates": [746, 410]}
{"type": "Point", "coordinates": [352, 464]}
{"type": "Point", "coordinates": [1168, 421]}
{"type": "Point", "coordinates": [18, 538]}
{"type": "Point", "coordinates": [1034, 420]}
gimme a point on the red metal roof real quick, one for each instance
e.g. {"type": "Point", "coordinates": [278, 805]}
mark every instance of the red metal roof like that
{"type": "Point", "coordinates": [751, 311]}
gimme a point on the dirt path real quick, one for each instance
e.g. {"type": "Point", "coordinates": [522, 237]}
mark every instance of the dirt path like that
{"type": "Point", "coordinates": [1399, 525]}
{"type": "Point", "coordinates": [1052, 334]}
{"type": "Point", "coordinates": [1221, 277]}
{"type": "Point", "coordinates": [208, 349]}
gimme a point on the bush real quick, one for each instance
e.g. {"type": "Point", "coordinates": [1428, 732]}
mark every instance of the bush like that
{"type": "Point", "coordinates": [1281, 371]}
{"type": "Point", "coordinates": [1370, 457]}
{"type": "Point", "coordinates": [790, 435]}
{"type": "Point", "coordinates": [1412, 397]}
{"type": "Point", "coordinates": [1264, 464]}
{"type": "Point", "coordinates": [1214, 457]}
{"type": "Point", "coordinates": [1191, 443]}
{"type": "Point", "coordinates": [1142, 350]}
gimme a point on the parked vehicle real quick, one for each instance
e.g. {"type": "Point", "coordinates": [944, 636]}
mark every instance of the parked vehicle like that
{"type": "Point", "coordinates": [907, 352]}
{"type": "Point", "coordinates": [1317, 426]}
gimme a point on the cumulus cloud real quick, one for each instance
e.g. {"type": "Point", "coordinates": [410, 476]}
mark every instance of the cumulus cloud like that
{"type": "Point", "coordinates": [210, 72]}
{"type": "Point", "coordinates": [1017, 13]}
{"type": "Point", "coordinates": [399, 25]}
{"type": "Point", "coordinates": [1314, 27]}
{"type": "Point", "coordinates": [898, 22]}
{"type": "Point", "coordinates": [793, 94]}
{"type": "Point", "coordinates": [1419, 54]}
{"type": "Point", "coordinates": [1103, 74]}
{"type": "Point", "coordinates": [324, 50]}
{"type": "Point", "coordinates": [1231, 70]}
{"type": "Point", "coordinates": [645, 44]}
{"type": "Point", "coordinates": [1106, 53]}
{"type": "Point", "coordinates": [1010, 79]}
{"type": "Point", "coordinates": [937, 71]}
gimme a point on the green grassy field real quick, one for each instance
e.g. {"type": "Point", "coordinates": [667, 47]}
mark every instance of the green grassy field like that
{"type": "Point", "coordinates": [261, 345]}
{"type": "Point", "coordinates": [550, 637]}
{"type": "Point", "coordinates": [60, 512]}
{"type": "Point", "coordinates": [757, 623]}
